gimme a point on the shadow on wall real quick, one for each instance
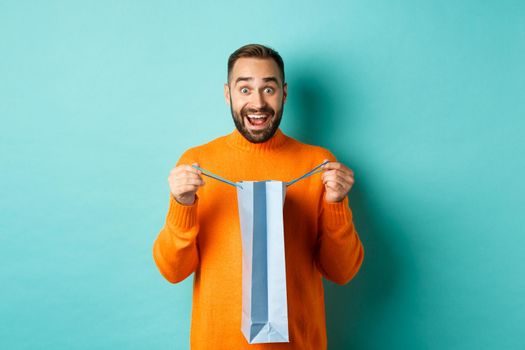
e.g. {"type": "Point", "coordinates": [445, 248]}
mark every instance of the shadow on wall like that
{"type": "Point", "coordinates": [319, 103]}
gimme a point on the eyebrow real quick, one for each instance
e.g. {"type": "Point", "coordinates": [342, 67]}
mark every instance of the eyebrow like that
{"type": "Point", "coordinates": [267, 79]}
{"type": "Point", "coordinates": [274, 79]}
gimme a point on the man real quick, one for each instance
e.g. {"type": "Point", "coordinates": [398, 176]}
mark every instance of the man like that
{"type": "Point", "coordinates": [202, 233]}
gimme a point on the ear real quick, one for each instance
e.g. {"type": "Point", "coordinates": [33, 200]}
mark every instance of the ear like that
{"type": "Point", "coordinates": [227, 93]}
{"type": "Point", "coordinates": [285, 92]}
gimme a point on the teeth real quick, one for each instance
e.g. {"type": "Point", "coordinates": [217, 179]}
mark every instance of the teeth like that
{"type": "Point", "coordinates": [257, 116]}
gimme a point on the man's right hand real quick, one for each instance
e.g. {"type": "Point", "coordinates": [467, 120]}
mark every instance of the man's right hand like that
{"type": "Point", "coordinates": [184, 181]}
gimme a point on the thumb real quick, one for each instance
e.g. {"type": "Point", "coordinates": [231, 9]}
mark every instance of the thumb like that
{"type": "Point", "coordinates": [195, 164]}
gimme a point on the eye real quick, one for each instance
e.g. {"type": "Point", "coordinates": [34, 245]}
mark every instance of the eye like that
{"type": "Point", "coordinates": [269, 90]}
{"type": "Point", "coordinates": [244, 90]}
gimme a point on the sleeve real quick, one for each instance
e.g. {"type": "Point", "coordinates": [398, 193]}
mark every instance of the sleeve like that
{"type": "Point", "coordinates": [339, 252]}
{"type": "Point", "coordinates": [175, 250]}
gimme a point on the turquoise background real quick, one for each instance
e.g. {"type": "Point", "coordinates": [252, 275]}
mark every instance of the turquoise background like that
{"type": "Point", "coordinates": [423, 99]}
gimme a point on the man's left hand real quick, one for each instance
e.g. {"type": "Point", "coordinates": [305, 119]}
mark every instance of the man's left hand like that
{"type": "Point", "coordinates": [338, 180]}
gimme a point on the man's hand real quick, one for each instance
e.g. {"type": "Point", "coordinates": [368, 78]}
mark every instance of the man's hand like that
{"type": "Point", "coordinates": [337, 180]}
{"type": "Point", "coordinates": [184, 181]}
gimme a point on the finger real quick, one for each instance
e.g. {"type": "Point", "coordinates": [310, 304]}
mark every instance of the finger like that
{"type": "Point", "coordinates": [328, 173]}
{"type": "Point", "coordinates": [337, 166]}
{"type": "Point", "coordinates": [191, 181]}
{"type": "Point", "coordinates": [184, 174]}
{"type": "Point", "coordinates": [186, 167]}
{"type": "Point", "coordinates": [336, 187]}
{"type": "Point", "coordinates": [185, 178]}
{"type": "Point", "coordinates": [335, 177]}
{"type": "Point", "coordinates": [186, 189]}
{"type": "Point", "coordinates": [189, 174]}
{"type": "Point", "coordinates": [331, 165]}
{"type": "Point", "coordinates": [349, 176]}
{"type": "Point", "coordinates": [196, 164]}
{"type": "Point", "coordinates": [192, 169]}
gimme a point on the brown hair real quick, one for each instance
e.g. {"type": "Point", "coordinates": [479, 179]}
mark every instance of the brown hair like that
{"type": "Point", "coordinates": [256, 51]}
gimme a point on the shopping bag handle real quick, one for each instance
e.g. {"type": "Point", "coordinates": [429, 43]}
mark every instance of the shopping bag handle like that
{"type": "Point", "coordinates": [216, 177]}
{"type": "Point", "coordinates": [314, 171]}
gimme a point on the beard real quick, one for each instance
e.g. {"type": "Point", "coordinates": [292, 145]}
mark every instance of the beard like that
{"type": "Point", "coordinates": [257, 136]}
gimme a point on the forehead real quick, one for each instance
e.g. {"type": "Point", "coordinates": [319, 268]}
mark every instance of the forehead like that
{"type": "Point", "coordinates": [255, 68]}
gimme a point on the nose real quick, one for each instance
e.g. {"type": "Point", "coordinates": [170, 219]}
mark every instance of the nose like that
{"type": "Point", "coordinates": [258, 100]}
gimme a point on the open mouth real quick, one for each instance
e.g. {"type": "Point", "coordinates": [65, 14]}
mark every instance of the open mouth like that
{"type": "Point", "coordinates": [258, 121]}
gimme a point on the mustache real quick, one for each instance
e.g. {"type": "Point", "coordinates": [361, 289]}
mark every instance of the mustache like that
{"type": "Point", "coordinates": [263, 110]}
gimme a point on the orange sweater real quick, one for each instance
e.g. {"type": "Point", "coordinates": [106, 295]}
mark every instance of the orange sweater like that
{"type": "Point", "coordinates": [205, 238]}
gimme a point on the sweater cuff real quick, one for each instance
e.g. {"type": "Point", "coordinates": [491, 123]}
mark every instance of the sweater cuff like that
{"type": "Point", "coordinates": [337, 214]}
{"type": "Point", "coordinates": [182, 216]}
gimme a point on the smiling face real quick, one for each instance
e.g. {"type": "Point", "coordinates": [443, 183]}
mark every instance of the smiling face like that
{"type": "Point", "coordinates": [256, 95]}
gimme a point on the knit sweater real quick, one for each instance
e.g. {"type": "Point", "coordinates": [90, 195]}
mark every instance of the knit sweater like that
{"type": "Point", "coordinates": [205, 239]}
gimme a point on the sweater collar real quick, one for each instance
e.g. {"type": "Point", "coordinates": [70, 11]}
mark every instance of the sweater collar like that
{"type": "Point", "coordinates": [236, 140]}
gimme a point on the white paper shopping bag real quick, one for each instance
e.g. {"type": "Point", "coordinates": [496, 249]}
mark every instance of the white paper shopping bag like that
{"type": "Point", "coordinates": [264, 302]}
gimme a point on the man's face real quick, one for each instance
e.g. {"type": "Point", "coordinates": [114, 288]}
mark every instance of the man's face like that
{"type": "Point", "coordinates": [256, 96]}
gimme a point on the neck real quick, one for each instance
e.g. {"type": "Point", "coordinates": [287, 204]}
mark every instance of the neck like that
{"type": "Point", "coordinates": [237, 140]}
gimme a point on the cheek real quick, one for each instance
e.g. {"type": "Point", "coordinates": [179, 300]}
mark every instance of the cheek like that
{"type": "Point", "coordinates": [238, 100]}
{"type": "Point", "coordinates": [277, 102]}
{"type": "Point", "coordinates": [237, 106]}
